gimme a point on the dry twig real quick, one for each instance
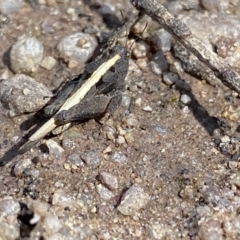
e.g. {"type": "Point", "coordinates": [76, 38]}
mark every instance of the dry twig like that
{"type": "Point", "coordinates": [181, 33]}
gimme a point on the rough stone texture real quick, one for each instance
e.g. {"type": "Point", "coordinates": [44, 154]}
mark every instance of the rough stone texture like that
{"type": "Point", "coordinates": [91, 158]}
{"type": "Point", "coordinates": [22, 94]}
{"type": "Point", "coordinates": [26, 55]}
{"type": "Point", "coordinates": [78, 47]}
{"type": "Point", "coordinates": [133, 200]}
{"type": "Point", "coordinates": [10, 6]}
{"type": "Point", "coordinates": [109, 180]}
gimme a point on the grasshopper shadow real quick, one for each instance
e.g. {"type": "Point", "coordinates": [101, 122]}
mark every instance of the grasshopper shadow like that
{"type": "Point", "coordinates": [35, 121]}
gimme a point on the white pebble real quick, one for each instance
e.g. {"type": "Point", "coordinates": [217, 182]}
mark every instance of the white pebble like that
{"type": "Point", "coordinates": [120, 140]}
{"type": "Point", "coordinates": [225, 139]}
{"type": "Point", "coordinates": [48, 63]}
{"type": "Point", "coordinates": [147, 109]}
{"type": "Point", "coordinates": [78, 47]}
{"type": "Point", "coordinates": [26, 55]}
{"type": "Point", "coordinates": [138, 102]}
{"type": "Point", "coordinates": [170, 78]}
{"type": "Point", "coordinates": [21, 166]}
{"type": "Point", "coordinates": [54, 148]}
{"type": "Point", "coordinates": [141, 49]}
{"type": "Point", "coordinates": [185, 99]}
{"type": "Point", "coordinates": [10, 6]}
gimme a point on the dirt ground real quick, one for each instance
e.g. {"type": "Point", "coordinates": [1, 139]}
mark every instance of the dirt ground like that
{"type": "Point", "coordinates": [169, 150]}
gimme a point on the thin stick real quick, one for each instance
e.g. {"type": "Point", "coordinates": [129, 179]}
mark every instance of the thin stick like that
{"type": "Point", "coordinates": [181, 33]}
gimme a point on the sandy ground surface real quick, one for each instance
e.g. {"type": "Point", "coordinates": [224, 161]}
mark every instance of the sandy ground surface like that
{"type": "Point", "coordinates": [166, 150]}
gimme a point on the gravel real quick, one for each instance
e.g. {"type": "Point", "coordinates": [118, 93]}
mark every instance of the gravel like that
{"type": "Point", "coordinates": [110, 181]}
{"type": "Point", "coordinates": [48, 63]}
{"type": "Point", "coordinates": [54, 148]}
{"type": "Point", "coordinates": [185, 99]}
{"type": "Point", "coordinates": [133, 199]}
{"type": "Point", "coordinates": [104, 193]}
{"type": "Point", "coordinates": [161, 168]}
{"type": "Point", "coordinates": [141, 49]}
{"type": "Point", "coordinates": [77, 48]}
{"type": "Point", "coordinates": [170, 78]}
{"type": "Point", "coordinates": [118, 157]}
{"type": "Point", "coordinates": [21, 166]}
{"type": "Point", "coordinates": [91, 158]}
{"type": "Point", "coordinates": [26, 55]}
{"type": "Point", "coordinates": [162, 40]}
{"type": "Point", "coordinates": [158, 63]}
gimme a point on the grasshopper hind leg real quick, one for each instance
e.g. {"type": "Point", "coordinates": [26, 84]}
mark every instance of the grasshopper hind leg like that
{"type": "Point", "coordinates": [90, 108]}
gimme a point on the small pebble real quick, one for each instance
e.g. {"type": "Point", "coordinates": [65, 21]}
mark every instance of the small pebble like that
{"type": "Point", "coordinates": [104, 193]}
{"type": "Point", "coordinates": [159, 128]}
{"type": "Point", "coordinates": [159, 231]}
{"type": "Point", "coordinates": [120, 140]}
{"type": "Point", "coordinates": [91, 158]}
{"type": "Point", "coordinates": [130, 121]}
{"type": "Point", "coordinates": [72, 64]}
{"type": "Point", "coordinates": [225, 139]}
{"type": "Point", "coordinates": [48, 63]}
{"type": "Point", "coordinates": [210, 229]}
{"type": "Point", "coordinates": [9, 206]}
{"type": "Point", "coordinates": [147, 109]}
{"type": "Point", "coordinates": [142, 63]}
{"type": "Point", "coordinates": [118, 157]}
{"type": "Point", "coordinates": [47, 28]}
{"type": "Point", "coordinates": [12, 95]}
{"type": "Point", "coordinates": [108, 180]}
{"type": "Point", "coordinates": [61, 198]}
{"type": "Point", "coordinates": [10, 6]}
{"type": "Point", "coordinates": [4, 74]}
{"type": "Point", "coordinates": [170, 78]}
{"type": "Point", "coordinates": [162, 40]}
{"type": "Point", "coordinates": [75, 160]}
{"type": "Point", "coordinates": [67, 166]}
{"type": "Point", "coordinates": [108, 149]}
{"type": "Point", "coordinates": [133, 199]}
{"type": "Point", "coordinates": [78, 47]}
{"type": "Point", "coordinates": [21, 166]}
{"type": "Point", "coordinates": [138, 102]}
{"type": "Point", "coordinates": [158, 63]}
{"type": "Point", "coordinates": [141, 49]}
{"type": "Point", "coordinates": [54, 148]}
{"type": "Point", "coordinates": [107, 9]}
{"type": "Point", "coordinates": [129, 137]}
{"type": "Point", "coordinates": [26, 55]}
{"type": "Point", "coordinates": [185, 99]}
